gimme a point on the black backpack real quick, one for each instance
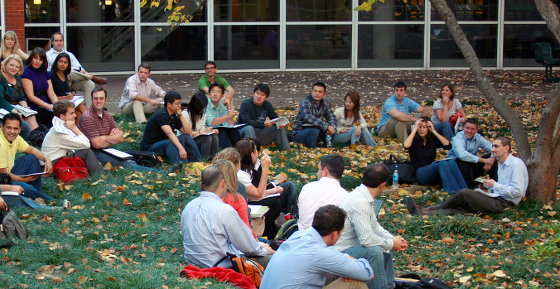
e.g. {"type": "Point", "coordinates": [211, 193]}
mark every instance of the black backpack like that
{"type": "Point", "coordinates": [413, 281]}
{"type": "Point", "coordinates": [10, 226]}
{"type": "Point", "coordinates": [37, 136]}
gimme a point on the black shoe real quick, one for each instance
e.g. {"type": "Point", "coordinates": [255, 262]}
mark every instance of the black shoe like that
{"type": "Point", "coordinates": [412, 207]}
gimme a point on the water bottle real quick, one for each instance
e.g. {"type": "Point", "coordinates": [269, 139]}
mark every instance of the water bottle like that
{"type": "Point", "coordinates": [396, 179]}
{"type": "Point", "coordinates": [329, 140]}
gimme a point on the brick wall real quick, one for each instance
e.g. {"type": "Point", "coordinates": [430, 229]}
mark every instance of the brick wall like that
{"type": "Point", "coordinates": [15, 19]}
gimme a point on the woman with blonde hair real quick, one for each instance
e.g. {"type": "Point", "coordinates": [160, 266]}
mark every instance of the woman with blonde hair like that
{"type": "Point", "coordinates": [233, 156]}
{"type": "Point", "coordinates": [10, 45]}
{"type": "Point", "coordinates": [11, 91]}
{"type": "Point", "coordinates": [232, 198]}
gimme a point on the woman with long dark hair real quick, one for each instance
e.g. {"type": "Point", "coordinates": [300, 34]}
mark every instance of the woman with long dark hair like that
{"type": "Point", "coordinates": [422, 145]}
{"type": "Point", "coordinates": [60, 70]}
{"type": "Point", "coordinates": [351, 126]}
{"type": "Point", "coordinates": [38, 87]}
{"type": "Point", "coordinates": [279, 198]}
{"type": "Point", "coordinates": [206, 138]}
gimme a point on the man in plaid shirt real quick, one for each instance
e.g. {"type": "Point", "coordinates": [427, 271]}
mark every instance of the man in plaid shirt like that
{"type": "Point", "coordinates": [315, 118]}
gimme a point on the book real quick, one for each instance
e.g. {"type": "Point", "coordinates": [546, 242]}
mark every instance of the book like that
{"type": "Point", "coordinates": [25, 110]}
{"type": "Point", "coordinates": [119, 154]}
{"type": "Point", "coordinates": [3, 112]}
{"type": "Point", "coordinates": [204, 133]}
{"type": "Point", "coordinates": [34, 174]}
{"type": "Point", "coordinates": [280, 121]}
{"type": "Point", "coordinates": [77, 100]}
{"type": "Point", "coordinates": [232, 126]}
{"type": "Point", "coordinates": [258, 211]}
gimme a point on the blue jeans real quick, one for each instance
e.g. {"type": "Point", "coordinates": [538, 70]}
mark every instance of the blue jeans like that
{"type": "Point", "coordinates": [381, 263]}
{"type": "Point", "coordinates": [308, 136]}
{"type": "Point", "coordinates": [228, 136]}
{"type": "Point", "coordinates": [267, 135]}
{"type": "Point", "coordinates": [25, 130]}
{"type": "Point", "coordinates": [350, 136]}
{"type": "Point", "coordinates": [167, 148]}
{"type": "Point", "coordinates": [29, 164]}
{"type": "Point", "coordinates": [447, 171]}
{"type": "Point", "coordinates": [445, 129]}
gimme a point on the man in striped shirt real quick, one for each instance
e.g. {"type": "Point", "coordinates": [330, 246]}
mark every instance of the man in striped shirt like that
{"type": "Point", "coordinates": [363, 236]}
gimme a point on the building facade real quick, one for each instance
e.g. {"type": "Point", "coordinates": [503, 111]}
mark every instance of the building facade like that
{"type": "Point", "coordinates": [280, 35]}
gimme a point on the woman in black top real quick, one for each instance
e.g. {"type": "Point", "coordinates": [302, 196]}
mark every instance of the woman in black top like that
{"type": "Point", "coordinates": [59, 78]}
{"type": "Point", "coordinates": [422, 145]}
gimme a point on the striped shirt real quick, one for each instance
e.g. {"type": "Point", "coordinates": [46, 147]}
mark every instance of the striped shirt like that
{"type": "Point", "coordinates": [93, 125]}
{"type": "Point", "coordinates": [361, 227]}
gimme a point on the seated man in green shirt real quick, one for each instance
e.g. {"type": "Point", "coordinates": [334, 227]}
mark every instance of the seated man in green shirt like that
{"type": "Point", "coordinates": [210, 77]}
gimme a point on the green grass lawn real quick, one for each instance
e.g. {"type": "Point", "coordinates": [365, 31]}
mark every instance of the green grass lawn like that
{"type": "Point", "coordinates": [123, 229]}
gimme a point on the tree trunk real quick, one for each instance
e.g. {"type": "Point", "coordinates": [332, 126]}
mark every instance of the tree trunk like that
{"type": "Point", "coordinates": [544, 164]}
{"type": "Point", "coordinates": [549, 12]}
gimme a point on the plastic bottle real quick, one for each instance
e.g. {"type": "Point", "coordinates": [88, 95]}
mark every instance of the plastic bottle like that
{"type": "Point", "coordinates": [396, 179]}
{"type": "Point", "coordinates": [329, 140]}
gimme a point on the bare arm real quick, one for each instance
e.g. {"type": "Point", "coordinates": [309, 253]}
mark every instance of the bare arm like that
{"type": "Point", "coordinates": [50, 92]}
{"type": "Point", "coordinates": [40, 156]}
{"type": "Point", "coordinates": [105, 141]}
{"type": "Point", "coordinates": [175, 141]}
{"type": "Point", "coordinates": [187, 127]}
{"type": "Point", "coordinates": [28, 89]}
{"type": "Point", "coordinates": [401, 116]}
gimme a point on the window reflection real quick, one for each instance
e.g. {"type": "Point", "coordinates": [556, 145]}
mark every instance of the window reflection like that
{"type": "Point", "coordinates": [311, 45]}
{"type": "Point", "coordinates": [390, 45]}
{"type": "Point", "coordinates": [444, 52]}
{"type": "Point", "coordinates": [319, 10]}
{"type": "Point", "coordinates": [99, 11]}
{"type": "Point", "coordinates": [519, 10]}
{"type": "Point", "coordinates": [247, 46]}
{"type": "Point", "coordinates": [174, 49]}
{"type": "Point", "coordinates": [519, 42]}
{"type": "Point", "coordinates": [197, 9]}
{"type": "Point", "coordinates": [45, 12]}
{"type": "Point", "coordinates": [246, 10]}
{"type": "Point", "coordinates": [471, 10]}
{"type": "Point", "coordinates": [105, 48]}
{"type": "Point", "coordinates": [399, 10]}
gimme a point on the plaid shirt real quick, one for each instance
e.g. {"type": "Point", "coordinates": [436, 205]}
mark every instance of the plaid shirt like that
{"type": "Point", "coordinates": [310, 113]}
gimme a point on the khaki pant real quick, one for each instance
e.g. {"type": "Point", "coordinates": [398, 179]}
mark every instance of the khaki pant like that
{"type": "Point", "coordinates": [139, 109]}
{"type": "Point", "coordinates": [80, 82]}
{"type": "Point", "coordinates": [393, 128]}
{"type": "Point", "coordinates": [341, 284]}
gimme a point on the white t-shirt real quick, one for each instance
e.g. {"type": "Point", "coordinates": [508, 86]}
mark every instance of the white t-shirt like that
{"type": "Point", "coordinates": [439, 105]}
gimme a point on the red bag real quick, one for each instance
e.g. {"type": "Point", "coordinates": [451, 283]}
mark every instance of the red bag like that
{"type": "Point", "coordinates": [68, 169]}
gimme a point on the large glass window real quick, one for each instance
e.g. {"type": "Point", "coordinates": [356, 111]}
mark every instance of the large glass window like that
{"type": "Point", "coordinates": [42, 11]}
{"type": "Point", "coordinates": [246, 10]}
{"type": "Point", "coordinates": [398, 10]}
{"type": "Point", "coordinates": [197, 9]}
{"type": "Point", "coordinates": [242, 47]}
{"type": "Point", "coordinates": [38, 37]}
{"type": "Point", "coordinates": [390, 45]}
{"type": "Point", "coordinates": [99, 11]}
{"type": "Point", "coordinates": [319, 10]}
{"type": "Point", "coordinates": [471, 10]}
{"type": "Point", "coordinates": [523, 10]}
{"type": "Point", "coordinates": [175, 49]}
{"type": "Point", "coordinates": [318, 46]}
{"type": "Point", "coordinates": [105, 48]}
{"type": "Point", "coordinates": [519, 43]}
{"type": "Point", "coordinates": [444, 52]}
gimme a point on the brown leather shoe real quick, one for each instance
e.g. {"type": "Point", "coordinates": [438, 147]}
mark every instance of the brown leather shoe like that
{"type": "Point", "coordinates": [99, 80]}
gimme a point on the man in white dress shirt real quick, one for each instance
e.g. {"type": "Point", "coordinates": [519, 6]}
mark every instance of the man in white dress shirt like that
{"type": "Point", "coordinates": [141, 94]}
{"type": "Point", "coordinates": [325, 191]}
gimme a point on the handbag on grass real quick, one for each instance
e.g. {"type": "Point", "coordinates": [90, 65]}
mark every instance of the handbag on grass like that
{"type": "Point", "coordinates": [406, 171]}
{"type": "Point", "coordinates": [246, 266]}
{"type": "Point", "coordinates": [69, 169]}
{"type": "Point", "coordinates": [145, 158]}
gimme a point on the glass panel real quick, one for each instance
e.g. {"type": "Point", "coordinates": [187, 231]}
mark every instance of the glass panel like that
{"type": "Point", "coordinates": [471, 10]}
{"type": "Point", "coordinates": [167, 49]}
{"type": "Point", "coordinates": [197, 9]}
{"type": "Point", "coordinates": [318, 46]}
{"type": "Point", "coordinates": [45, 12]}
{"type": "Point", "coordinates": [246, 10]}
{"type": "Point", "coordinates": [390, 45]}
{"type": "Point", "coordinates": [519, 10]}
{"type": "Point", "coordinates": [444, 52]}
{"type": "Point", "coordinates": [38, 37]}
{"type": "Point", "coordinates": [99, 11]}
{"type": "Point", "coordinates": [319, 10]}
{"type": "Point", "coordinates": [108, 48]}
{"type": "Point", "coordinates": [247, 46]}
{"type": "Point", "coordinates": [519, 41]}
{"type": "Point", "coordinates": [399, 10]}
